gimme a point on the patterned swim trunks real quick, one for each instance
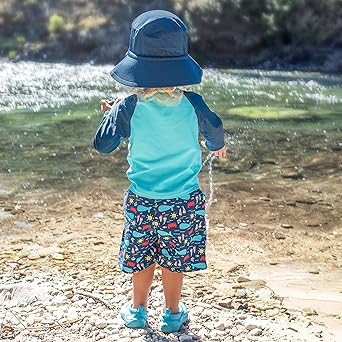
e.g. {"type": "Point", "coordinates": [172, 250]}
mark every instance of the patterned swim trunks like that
{"type": "Point", "coordinates": [169, 232]}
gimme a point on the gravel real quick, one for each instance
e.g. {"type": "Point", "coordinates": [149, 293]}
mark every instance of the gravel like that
{"type": "Point", "coordinates": [50, 306]}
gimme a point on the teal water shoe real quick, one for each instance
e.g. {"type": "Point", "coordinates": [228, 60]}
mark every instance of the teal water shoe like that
{"type": "Point", "coordinates": [172, 322]}
{"type": "Point", "coordinates": [134, 318]}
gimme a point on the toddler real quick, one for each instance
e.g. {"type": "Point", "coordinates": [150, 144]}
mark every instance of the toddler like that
{"type": "Point", "coordinates": [164, 207]}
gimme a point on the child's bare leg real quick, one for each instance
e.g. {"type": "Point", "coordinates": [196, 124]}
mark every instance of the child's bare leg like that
{"type": "Point", "coordinates": [172, 284]}
{"type": "Point", "coordinates": [142, 282]}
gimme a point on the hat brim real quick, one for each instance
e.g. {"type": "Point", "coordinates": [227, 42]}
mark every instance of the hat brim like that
{"type": "Point", "coordinates": [157, 72]}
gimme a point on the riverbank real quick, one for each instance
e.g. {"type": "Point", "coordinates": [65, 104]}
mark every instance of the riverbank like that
{"type": "Point", "coordinates": [61, 257]}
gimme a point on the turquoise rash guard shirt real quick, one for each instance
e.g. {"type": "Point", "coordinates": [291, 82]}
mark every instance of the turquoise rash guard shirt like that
{"type": "Point", "coordinates": [164, 153]}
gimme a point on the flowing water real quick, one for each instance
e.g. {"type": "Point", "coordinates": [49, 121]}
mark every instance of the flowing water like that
{"type": "Point", "coordinates": [49, 113]}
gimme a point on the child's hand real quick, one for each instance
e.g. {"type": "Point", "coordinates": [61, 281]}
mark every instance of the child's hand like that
{"type": "Point", "coordinates": [222, 153]}
{"type": "Point", "coordinates": [105, 105]}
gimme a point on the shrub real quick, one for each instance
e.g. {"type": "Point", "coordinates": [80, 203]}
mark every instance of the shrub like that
{"type": "Point", "coordinates": [12, 54]}
{"type": "Point", "coordinates": [56, 24]}
{"type": "Point", "coordinates": [20, 41]}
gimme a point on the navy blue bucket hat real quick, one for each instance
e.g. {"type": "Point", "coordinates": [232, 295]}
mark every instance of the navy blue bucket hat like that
{"type": "Point", "coordinates": [158, 53]}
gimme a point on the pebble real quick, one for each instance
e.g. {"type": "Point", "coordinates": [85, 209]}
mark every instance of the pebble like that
{"type": "Point", "coordinates": [93, 319]}
{"type": "Point", "coordinates": [286, 225]}
{"type": "Point", "coordinates": [202, 332]}
{"type": "Point", "coordinates": [242, 279]}
{"type": "Point", "coordinates": [185, 338]}
{"type": "Point", "coordinates": [227, 304]}
{"type": "Point", "coordinates": [81, 303]}
{"type": "Point", "coordinates": [235, 331]}
{"type": "Point", "coordinates": [279, 236]}
{"type": "Point", "coordinates": [72, 314]}
{"type": "Point", "coordinates": [34, 256]}
{"type": "Point", "coordinates": [57, 256]}
{"type": "Point", "coordinates": [58, 313]}
{"type": "Point", "coordinates": [255, 332]}
{"type": "Point", "coordinates": [100, 323]}
{"type": "Point", "coordinates": [219, 326]}
{"type": "Point", "coordinates": [240, 293]}
{"type": "Point", "coordinates": [59, 299]}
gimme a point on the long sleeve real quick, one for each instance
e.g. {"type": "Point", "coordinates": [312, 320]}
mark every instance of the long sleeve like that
{"type": "Point", "coordinates": [210, 125]}
{"type": "Point", "coordinates": [115, 125]}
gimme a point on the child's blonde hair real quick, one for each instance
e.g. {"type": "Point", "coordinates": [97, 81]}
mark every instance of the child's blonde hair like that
{"type": "Point", "coordinates": [166, 95]}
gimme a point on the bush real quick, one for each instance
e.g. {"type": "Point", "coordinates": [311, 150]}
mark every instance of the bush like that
{"type": "Point", "coordinates": [12, 54]}
{"type": "Point", "coordinates": [56, 24]}
{"type": "Point", "coordinates": [20, 41]}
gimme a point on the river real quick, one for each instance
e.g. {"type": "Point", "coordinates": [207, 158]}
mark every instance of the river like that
{"type": "Point", "coordinates": [49, 113]}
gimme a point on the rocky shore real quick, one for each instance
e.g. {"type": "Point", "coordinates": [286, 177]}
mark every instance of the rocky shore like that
{"type": "Point", "coordinates": [60, 280]}
{"type": "Point", "coordinates": [39, 303]}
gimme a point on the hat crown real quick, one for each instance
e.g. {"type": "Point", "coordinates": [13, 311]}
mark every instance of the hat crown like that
{"type": "Point", "coordinates": [158, 33]}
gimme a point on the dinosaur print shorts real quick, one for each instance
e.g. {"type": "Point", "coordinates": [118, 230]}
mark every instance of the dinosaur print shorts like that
{"type": "Point", "coordinates": [169, 232]}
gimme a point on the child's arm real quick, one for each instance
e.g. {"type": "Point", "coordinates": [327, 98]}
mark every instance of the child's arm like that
{"type": "Point", "coordinates": [210, 125]}
{"type": "Point", "coordinates": [115, 125]}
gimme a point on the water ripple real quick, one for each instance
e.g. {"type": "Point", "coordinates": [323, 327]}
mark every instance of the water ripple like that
{"type": "Point", "coordinates": [31, 85]}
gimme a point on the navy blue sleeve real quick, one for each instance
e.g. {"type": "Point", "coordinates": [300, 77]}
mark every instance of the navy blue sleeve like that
{"type": "Point", "coordinates": [115, 124]}
{"type": "Point", "coordinates": [210, 125]}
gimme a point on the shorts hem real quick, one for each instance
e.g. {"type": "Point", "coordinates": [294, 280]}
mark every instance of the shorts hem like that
{"type": "Point", "coordinates": [181, 269]}
{"type": "Point", "coordinates": [131, 270]}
